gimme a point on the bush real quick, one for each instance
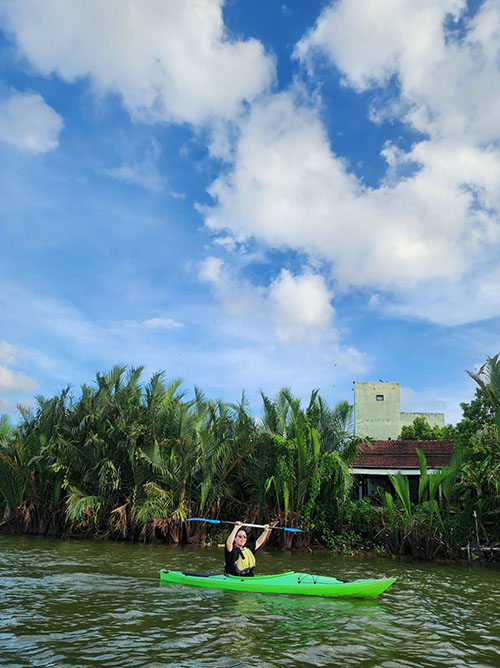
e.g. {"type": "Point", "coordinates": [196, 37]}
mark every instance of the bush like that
{"type": "Point", "coordinates": [358, 526]}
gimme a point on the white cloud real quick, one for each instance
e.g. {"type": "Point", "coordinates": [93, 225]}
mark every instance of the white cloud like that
{"type": "Point", "coordinates": [282, 334]}
{"type": "Point", "coordinates": [168, 60]}
{"type": "Point", "coordinates": [475, 297]}
{"type": "Point", "coordinates": [211, 271]}
{"type": "Point", "coordinates": [9, 354]}
{"type": "Point", "coordinates": [369, 42]}
{"type": "Point", "coordinates": [297, 307]}
{"type": "Point", "coordinates": [289, 190]}
{"type": "Point", "coordinates": [449, 81]}
{"type": "Point", "coordinates": [6, 406]}
{"type": "Point", "coordinates": [155, 324]}
{"type": "Point", "coordinates": [426, 236]}
{"type": "Point", "coordinates": [13, 381]}
{"type": "Point", "coordinates": [240, 298]}
{"type": "Point", "coordinates": [219, 352]}
{"type": "Point", "coordinates": [300, 305]}
{"type": "Point", "coordinates": [28, 123]}
{"type": "Point", "coordinates": [226, 242]}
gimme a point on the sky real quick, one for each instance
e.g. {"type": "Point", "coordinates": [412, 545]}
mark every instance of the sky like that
{"type": "Point", "coordinates": [249, 195]}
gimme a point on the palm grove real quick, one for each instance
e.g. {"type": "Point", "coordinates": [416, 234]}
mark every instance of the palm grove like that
{"type": "Point", "coordinates": [132, 461]}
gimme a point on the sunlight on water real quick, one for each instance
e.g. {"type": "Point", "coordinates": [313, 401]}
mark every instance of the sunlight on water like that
{"type": "Point", "coordinates": [76, 603]}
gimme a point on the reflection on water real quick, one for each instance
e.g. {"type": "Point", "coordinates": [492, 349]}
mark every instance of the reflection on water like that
{"type": "Point", "coordinates": [73, 603]}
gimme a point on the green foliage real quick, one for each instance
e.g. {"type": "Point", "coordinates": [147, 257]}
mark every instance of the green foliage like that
{"type": "Point", "coordinates": [478, 416]}
{"type": "Point", "coordinates": [488, 379]}
{"type": "Point", "coordinates": [6, 428]}
{"type": "Point", "coordinates": [360, 526]}
{"type": "Point", "coordinates": [134, 461]}
{"type": "Point", "coordinates": [402, 487]}
{"type": "Point", "coordinates": [423, 483]}
{"type": "Point", "coordinates": [461, 502]}
{"type": "Point", "coordinates": [364, 518]}
{"type": "Point", "coordinates": [420, 430]}
{"type": "Point", "coordinates": [81, 507]}
{"type": "Point", "coordinates": [452, 472]}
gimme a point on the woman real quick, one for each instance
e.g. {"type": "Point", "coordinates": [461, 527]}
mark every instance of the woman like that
{"type": "Point", "coordinates": [240, 549]}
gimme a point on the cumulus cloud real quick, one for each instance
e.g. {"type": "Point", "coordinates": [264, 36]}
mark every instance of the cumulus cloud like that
{"type": "Point", "coordinates": [288, 189]}
{"type": "Point", "coordinates": [11, 379]}
{"type": "Point", "coordinates": [298, 306]}
{"type": "Point", "coordinates": [280, 334]}
{"type": "Point", "coordinates": [446, 64]}
{"type": "Point", "coordinates": [28, 123]}
{"type": "Point", "coordinates": [431, 227]}
{"type": "Point", "coordinates": [168, 60]}
{"type": "Point", "coordinates": [239, 298]}
{"type": "Point", "coordinates": [382, 37]}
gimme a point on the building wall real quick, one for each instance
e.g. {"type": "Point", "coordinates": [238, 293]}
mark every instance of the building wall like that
{"type": "Point", "coordinates": [377, 411]}
{"type": "Point", "coordinates": [434, 419]}
{"type": "Point", "coordinates": [379, 419]}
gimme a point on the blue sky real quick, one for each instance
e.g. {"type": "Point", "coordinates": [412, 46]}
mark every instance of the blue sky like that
{"type": "Point", "coordinates": [250, 195]}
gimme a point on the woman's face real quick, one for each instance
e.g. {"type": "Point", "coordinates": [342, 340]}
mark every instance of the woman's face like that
{"type": "Point", "coordinates": [241, 538]}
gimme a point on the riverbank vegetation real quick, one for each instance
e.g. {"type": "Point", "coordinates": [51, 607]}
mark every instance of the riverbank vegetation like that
{"type": "Point", "coordinates": [132, 462]}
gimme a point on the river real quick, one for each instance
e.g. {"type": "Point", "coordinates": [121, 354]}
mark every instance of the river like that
{"type": "Point", "coordinates": [70, 603]}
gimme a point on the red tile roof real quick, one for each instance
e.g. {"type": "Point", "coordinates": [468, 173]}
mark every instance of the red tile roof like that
{"type": "Point", "coordinates": [402, 454]}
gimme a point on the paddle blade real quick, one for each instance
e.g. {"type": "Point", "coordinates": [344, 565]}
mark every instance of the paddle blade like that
{"type": "Point", "coordinates": [202, 519]}
{"type": "Point", "coordinates": [294, 530]}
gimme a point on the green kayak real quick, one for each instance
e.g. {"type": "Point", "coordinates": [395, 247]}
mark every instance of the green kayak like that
{"type": "Point", "coordinates": [283, 583]}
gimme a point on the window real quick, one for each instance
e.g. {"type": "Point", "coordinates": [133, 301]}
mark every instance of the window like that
{"type": "Point", "coordinates": [380, 397]}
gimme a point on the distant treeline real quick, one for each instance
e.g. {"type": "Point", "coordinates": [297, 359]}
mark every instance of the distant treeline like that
{"type": "Point", "coordinates": [132, 462]}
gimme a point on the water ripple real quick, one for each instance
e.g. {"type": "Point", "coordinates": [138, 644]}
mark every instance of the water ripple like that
{"type": "Point", "coordinates": [68, 603]}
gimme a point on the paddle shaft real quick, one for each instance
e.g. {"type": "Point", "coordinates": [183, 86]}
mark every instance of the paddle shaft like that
{"type": "Point", "coordinates": [259, 526]}
{"type": "Point", "coordinates": [245, 524]}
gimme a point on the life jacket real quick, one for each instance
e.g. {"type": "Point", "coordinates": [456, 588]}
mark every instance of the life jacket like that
{"type": "Point", "coordinates": [245, 562]}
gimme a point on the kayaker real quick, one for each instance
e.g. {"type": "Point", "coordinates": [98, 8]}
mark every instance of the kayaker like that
{"type": "Point", "coordinates": [240, 549]}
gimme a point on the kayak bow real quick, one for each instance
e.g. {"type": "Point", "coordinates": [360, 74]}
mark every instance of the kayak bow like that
{"type": "Point", "coordinates": [283, 583]}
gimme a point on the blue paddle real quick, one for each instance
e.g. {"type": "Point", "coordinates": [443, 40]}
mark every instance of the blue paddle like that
{"type": "Point", "coordinates": [245, 524]}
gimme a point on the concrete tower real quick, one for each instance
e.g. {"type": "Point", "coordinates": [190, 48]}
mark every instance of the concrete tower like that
{"type": "Point", "coordinates": [377, 411]}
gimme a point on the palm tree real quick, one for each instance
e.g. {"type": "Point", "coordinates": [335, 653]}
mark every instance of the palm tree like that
{"type": "Point", "coordinates": [30, 481]}
{"type": "Point", "coordinates": [488, 379]}
{"type": "Point", "coordinates": [304, 455]}
{"type": "Point", "coordinates": [482, 470]}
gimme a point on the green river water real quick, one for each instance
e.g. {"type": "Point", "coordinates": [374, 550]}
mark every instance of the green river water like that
{"type": "Point", "coordinates": [67, 603]}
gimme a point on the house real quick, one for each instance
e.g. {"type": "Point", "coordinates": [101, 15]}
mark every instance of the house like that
{"type": "Point", "coordinates": [377, 460]}
{"type": "Point", "coordinates": [377, 411]}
